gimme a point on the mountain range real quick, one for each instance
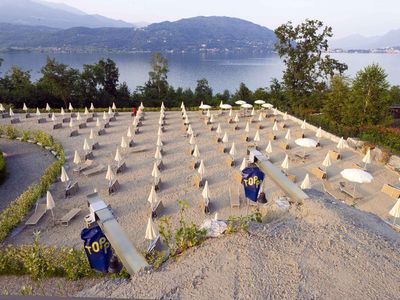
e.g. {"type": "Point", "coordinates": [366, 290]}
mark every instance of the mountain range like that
{"type": "Point", "coordinates": [356, 41]}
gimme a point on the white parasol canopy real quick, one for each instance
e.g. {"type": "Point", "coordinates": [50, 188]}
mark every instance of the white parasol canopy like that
{"type": "Point", "coordinates": [267, 105]}
{"type": "Point", "coordinates": [192, 140]}
{"type": "Point", "coordinates": [230, 112]}
{"type": "Point", "coordinates": [395, 211]}
{"type": "Point", "coordinates": [259, 102]}
{"type": "Point", "coordinates": [253, 112]}
{"type": "Point", "coordinates": [91, 135]}
{"type": "Point", "coordinates": [70, 107]}
{"type": "Point", "coordinates": [285, 117]}
{"type": "Point", "coordinates": [104, 115]}
{"type": "Point", "coordinates": [226, 106]}
{"type": "Point", "coordinates": [205, 106]}
{"type": "Point", "coordinates": [246, 105]}
{"type": "Point", "coordinates": [306, 184]}
{"type": "Point", "coordinates": [151, 230]}
{"type": "Point", "coordinates": [114, 107]}
{"type": "Point", "coordinates": [86, 111]}
{"type": "Point", "coordinates": [153, 200]}
{"type": "Point", "coordinates": [141, 105]}
{"type": "Point", "coordinates": [341, 144]}
{"type": "Point", "coordinates": [275, 127]}
{"type": "Point", "coordinates": [206, 191]}
{"type": "Point", "coordinates": [240, 102]}
{"type": "Point", "coordinates": [257, 136]}
{"type": "Point", "coordinates": [212, 119]}
{"type": "Point", "coordinates": [196, 152]}
{"type": "Point", "coordinates": [78, 116]}
{"type": "Point", "coordinates": [159, 143]}
{"type": "Point", "coordinates": [269, 148]}
{"type": "Point", "coordinates": [260, 117]}
{"type": "Point", "coordinates": [327, 161]}
{"type": "Point", "coordinates": [50, 204]}
{"type": "Point", "coordinates": [236, 120]}
{"type": "Point", "coordinates": [110, 110]}
{"type": "Point", "coordinates": [62, 112]}
{"type": "Point", "coordinates": [275, 112]}
{"type": "Point", "coordinates": [303, 125]}
{"type": "Point", "coordinates": [357, 175]}
{"type": "Point", "coordinates": [159, 132]}
{"type": "Point", "coordinates": [367, 158]}
{"type": "Point", "coordinates": [98, 124]}
{"type": "Point", "coordinates": [71, 123]}
{"type": "Point", "coordinates": [11, 113]}
{"type": "Point", "coordinates": [158, 155]}
{"type": "Point", "coordinates": [91, 106]}
{"type": "Point", "coordinates": [318, 134]}
{"type": "Point", "coordinates": [190, 130]}
{"type": "Point", "coordinates": [182, 105]}
{"type": "Point", "coordinates": [64, 175]}
{"type": "Point", "coordinates": [155, 172]}
{"type": "Point", "coordinates": [306, 142]}
{"type": "Point", "coordinates": [285, 163]}
{"type": "Point", "coordinates": [225, 139]}
{"type": "Point", "coordinates": [202, 169]}
{"type": "Point", "coordinates": [77, 158]}
{"type": "Point", "coordinates": [244, 164]}
{"type": "Point", "coordinates": [118, 156]}
{"type": "Point", "coordinates": [53, 117]}
{"type": "Point", "coordinates": [219, 130]}
{"type": "Point", "coordinates": [109, 174]}
{"type": "Point", "coordinates": [1, 107]}
{"type": "Point", "coordinates": [233, 152]}
{"type": "Point", "coordinates": [38, 112]}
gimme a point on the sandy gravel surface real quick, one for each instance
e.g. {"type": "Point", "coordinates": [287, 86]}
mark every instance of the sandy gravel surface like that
{"type": "Point", "coordinates": [322, 250]}
{"type": "Point", "coordinates": [130, 202]}
{"type": "Point", "coordinates": [25, 164]}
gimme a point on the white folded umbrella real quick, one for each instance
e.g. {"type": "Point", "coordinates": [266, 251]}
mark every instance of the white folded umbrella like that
{"type": "Point", "coordinates": [395, 211]}
{"type": "Point", "coordinates": [327, 161]}
{"type": "Point", "coordinates": [269, 148]}
{"type": "Point", "coordinates": [110, 110]}
{"type": "Point", "coordinates": [303, 125]}
{"type": "Point", "coordinates": [64, 175]}
{"type": "Point", "coordinates": [288, 136]}
{"type": "Point", "coordinates": [104, 115]}
{"type": "Point", "coordinates": [152, 199]}
{"type": "Point", "coordinates": [50, 204]}
{"type": "Point", "coordinates": [77, 158]}
{"type": "Point", "coordinates": [202, 169]}
{"type": "Point", "coordinates": [98, 124]}
{"type": "Point", "coordinates": [158, 155]}
{"type": "Point", "coordinates": [367, 158]}
{"type": "Point", "coordinates": [70, 107]}
{"type": "Point", "coordinates": [1, 107]}
{"type": "Point", "coordinates": [155, 172]}
{"type": "Point", "coordinates": [11, 113]}
{"type": "Point", "coordinates": [114, 107]}
{"type": "Point", "coordinates": [151, 230]}
{"type": "Point", "coordinates": [38, 112]}
{"type": "Point", "coordinates": [62, 112]}
{"type": "Point", "coordinates": [275, 127]}
{"type": "Point", "coordinates": [53, 117]}
{"type": "Point", "coordinates": [86, 146]}
{"type": "Point", "coordinates": [257, 136]}
{"type": "Point", "coordinates": [232, 152]}
{"type": "Point", "coordinates": [243, 164]}
{"type": "Point", "coordinates": [196, 152]}
{"type": "Point", "coordinates": [109, 174]}
{"type": "Point", "coordinates": [206, 191]}
{"type": "Point", "coordinates": [225, 139]}
{"type": "Point", "coordinates": [48, 108]}
{"type": "Point", "coordinates": [86, 111]}
{"type": "Point", "coordinates": [91, 135]}
{"type": "Point", "coordinates": [24, 107]}
{"type": "Point", "coordinates": [71, 123]}
{"type": "Point", "coordinates": [236, 120]}
{"type": "Point", "coordinates": [91, 106]}
{"type": "Point", "coordinates": [247, 128]}
{"type": "Point", "coordinates": [219, 130]}
{"type": "Point", "coordinates": [123, 145]}
{"type": "Point", "coordinates": [240, 102]}
{"type": "Point", "coordinates": [285, 163]}
{"type": "Point", "coordinates": [306, 184]}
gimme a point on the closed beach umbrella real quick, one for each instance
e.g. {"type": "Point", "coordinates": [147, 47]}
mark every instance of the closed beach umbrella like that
{"type": "Point", "coordinates": [98, 124]}
{"type": "Point", "coordinates": [212, 119]}
{"type": "Point", "coordinates": [86, 145]}
{"type": "Point", "coordinates": [327, 161]}
{"type": "Point", "coordinates": [247, 128]}
{"type": "Point", "coordinates": [269, 148]}
{"type": "Point", "coordinates": [71, 123]}
{"type": "Point", "coordinates": [53, 117]}
{"type": "Point", "coordinates": [155, 172]}
{"type": "Point", "coordinates": [104, 115]}
{"type": "Point", "coordinates": [91, 135]}
{"type": "Point", "coordinates": [62, 112]}
{"type": "Point", "coordinates": [158, 155]}
{"type": "Point", "coordinates": [124, 145]}
{"type": "Point", "coordinates": [219, 130]}
{"type": "Point", "coordinates": [190, 130]}
{"type": "Point", "coordinates": [162, 105]}
{"type": "Point", "coordinates": [341, 144]}
{"type": "Point", "coordinates": [285, 116]}
{"type": "Point", "coordinates": [152, 199]}
{"type": "Point", "coordinates": [192, 140]}
{"type": "Point", "coordinates": [159, 142]}
{"type": "Point", "coordinates": [50, 203]}
{"type": "Point", "coordinates": [318, 134]}
{"type": "Point", "coordinates": [306, 184]}
{"type": "Point", "coordinates": [159, 132]}
{"type": "Point", "coordinates": [24, 107]}
{"type": "Point", "coordinates": [151, 231]}
{"type": "Point", "coordinates": [257, 136]}
{"type": "Point", "coordinates": [118, 157]}
{"type": "Point", "coordinates": [114, 107]}
{"type": "Point", "coordinates": [91, 107]}
{"type": "Point", "coordinates": [109, 174]}
{"type": "Point", "coordinates": [240, 102]}
{"type": "Point", "coordinates": [259, 102]}
{"type": "Point", "coordinates": [260, 117]}
{"type": "Point", "coordinates": [86, 111]}
{"type": "Point", "coordinates": [303, 125]}
{"type": "Point", "coordinates": [236, 118]}
{"type": "Point", "coordinates": [395, 211]}
{"type": "Point", "coordinates": [275, 127]}
{"type": "Point", "coordinates": [285, 163]}
{"type": "Point", "coordinates": [64, 175]}
{"type": "Point", "coordinates": [38, 112]}
{"type": "Point", "coordinates": [77, 158]}
{"type": "Point", "coordinates": [70, 107]}
{"type": "Point", "coordinates": [243, 164]}
{"type": "Point", "coordinates": [225, 139]}
{"type": "Point", "coordinates": [129, 133]}
{"type": "Point", "coordinates": [253, 112]}
{"type": "Point", "coordinates": [109, 110]}
{"type": "Point", "coordinates": [196, 152]}
{"type": "Point", "coordinates": [232, 152]}
{"type": "Point", "coordinates": [288, 136]}
{"type": "Point", "coordinates": [48, 108]}
{"type": "Point", "coordinates": [206, 191]}
{"type": "Point", "coordinates": [202, 169]}
{"type": "Point", "coordinates": [1, 107]}
{"type": "Point", "coordinates": [11, 113]}
{"type": "Point", "coordinates": [367, 158]}
{"type": "Point", "coordinates": [78, 116]}
{"type": "Point", "coordinates": [230, 112]}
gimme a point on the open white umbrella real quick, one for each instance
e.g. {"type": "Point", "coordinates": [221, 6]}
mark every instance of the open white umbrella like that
{"type": "Point", "coordinates": [230, 113]}
{"type": "Point", "coordinates": [225, 139]}
{"type": "Point", "coordinates": [202, 169]}
{"type": "Point", "coordinates": [86, 146]}
{"type": "Point", "coordinates": [70, 107]}
{"type": "Point", "coordinates": [395, 211]}
{"type": "Point", "coordinates": [327, 161]}
{"type": "Point", "coordinates": [275, 112]}
{"type": "Point", "coordinates": [356, 176]}
{"type": "Point", "coordinates": [243, 164]}
{"type": "Point", "coordinates": [233, 152]}
{"type": "Point", "coordinates": [367, 158]}
{"type": "Point", "coordinates": [77, 158]}
{"type": "Point", "coordinates": [306, 183]}
{"type": "Point", "coordinates": [91, 107]}
{"type": "Point", "coordinates": [306, 143]}
{"type": "Point", "coordinates": [155, 172]}
{"type": "Point", "coordinates": [288, 136]}
{"type": "Point", "coordinates": [152, 199]}
{"type": "Point", "coordinates": [141, 106]}
{"type": "Point", "coordinates": [226, 106]}
{"type": "Point", "coordinates": [24, 108]}
{"type": "Point", "coordinates": [196, 152]}
{"type": "Point", "coordinates": [269, 148]}
{"type": "Point", "coordinates": [50, 204]}
{"type": "Point", "coordinates": [151, 230]}
{"type": "Point", "coordinates": [38, 112]}
{"type": "Point", "coordinates": [259, 102]}
{"type": "Point", "coordinates": [91, 135]}
{"type": "Point", "coordinates": [267, 105]}
{"type": "Point", "coordinates": [159, 132]}
{"type": "Point", "coordinates": [48, 108]}
{"type": "Point", "coordinates": [240, 102]}
{"type": "Point", "coordinates": [109, 174]}
{"type": "Point", "coordinates": [246, 105]}
{"type": "Point", "coordinates": [123, 145]}
{"type": "Point", "coordinates": [206, 191]}
{"type": "Point", "coordinates": [257, 136]}
{"type": "Point", "coordinates": [212, 119]}
{"type": "Point", "coordinates": [204, 106]}
{"type": "Point", "coordinates": [285, 163]}
{"type": "Point", "coordinates": [64, 175]}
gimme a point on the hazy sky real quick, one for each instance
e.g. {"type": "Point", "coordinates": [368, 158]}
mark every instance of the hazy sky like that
{"type": "Point", "coordinates": [366, 17]}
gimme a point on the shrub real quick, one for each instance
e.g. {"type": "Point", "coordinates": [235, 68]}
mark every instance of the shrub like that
{"type": "Point", "coordinates": [3, 168]}
{"type": "Point", "coordinates": [236, 224]}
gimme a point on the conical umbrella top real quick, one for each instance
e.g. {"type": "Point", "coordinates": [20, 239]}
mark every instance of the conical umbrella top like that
{"type": "Point", "coordinates": [190, 130]}
{"type": "Point", "coordinates": [285, 163]}
{"type": "Point", "coordinates": [159, 132]}
{"type": "Point", "coordinates": [114, 107]}
{"type": "Point", "coordinates": [232, 152]}
{"type": "Point", "coordinates": [64, 175]}
{"type": "Point", "coordinates": [118, 156]}
{"type": "Point", "coordinates": [212, 119]}
{"type": "Point", "coordinates": [1, 107]}
{"type": "Point", "coordinates": [98, 124]}
{"type": "Point", "coordinates": [38, 111]}
{"type": "Point", "coordinates": [49, 201]}
{"type": "Point", "coordinates": [225, 139]}
{"type": "Point", "coordinates": [24, 107]}
{"type": "Point", "coordinates": [257, 136]}
{"type": "Point", "coordinates": [152, 199]}
{"type": "Point", "coordinates": [196, 152]}
{"type": "Point", "coordinates": [341, 144]}
{"type": "Point", "coordinates": [86, 146]}
{"type": "Point", "coordinates": [243, 164]}
{"type": "Point", "coordinates": [91, 106]}
{"type": "Point", "coordinates": [78, 116]}
{"type": "Point", "coordinates": [48, 108]}
{"type": "Point", "coordinates": [53, 117]}
{"type": "Point", "coordinates": [77, 158]}
{"type": "Point", "coordinates": [71, 123]}
{"type": "Point", "coordinates": [247, 128]}
{"type": "Point", "coordinates": [285, 117]}
{"type": "Point", "coordinates": [230, 113]}
{"type": "Point", "coordinates": [275, 112]}
{"type": "Point", "coordinates": [327, 161]}
{"type": "Point", "coordinates": [129, 133]}
{"type": "Point", "coordinates": [306, 184]}
{"type": "Point", "coordinates": [86, 111]}
{"type": "Point", "coordinates": [151, 230]}
{"type": "Point", "coordinates": [275, 127]}
{"type": "Point", "coordinates": [158, 155]}
{"type": "Point", "coordinates": [182, 105]}
{"type": "Point", "coordinates": [236, 118]}
{"type": "Point", "coordinates": [109, 174]}
{"type": "Point", "coordinates": [202, 169]}
{"type": "Point", "coordinates": [219, 130]}
{"type": "Point", "coordinates": [124, 145]}
{"type": "Point", "coordinates": [395, 211]}
{"type": "Point", "coordinates": [303, 125]}
{"type": "Point", "coordinates": [11, 112]}
{"type": "Point", "coordinates": [91, 135]}
{"type": "Point", "coordinates": [70, 107]}
{"type": "Point", "coordinates": [62, 112]}
{"type": "Point", "coordinates": [206, 191]}
{"type": "Point", "coordinates": [367, 158]}
{"type": "Point", "coordinates": [269, 148]}
{"type": "Point", "coordinates": [318, 134]}
{"type": "Point", "coordinates": [288, 136]}
{"type": "Point", "coordinates": [155, 172]}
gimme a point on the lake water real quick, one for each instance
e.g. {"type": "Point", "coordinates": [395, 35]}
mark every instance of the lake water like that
{"type": "Point", "coordinates": [221, 71]}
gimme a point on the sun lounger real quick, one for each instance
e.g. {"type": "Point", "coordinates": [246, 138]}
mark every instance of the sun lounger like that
{"type": "Point", "coordinates": [207, 121]}
{"type": "Point", "coordinates": [121, 168]}
{"type": "Point", "coordinates": [116, 114]}
{"type": "Point", "coordinates": [332, 191]}
{"type": "Point", "coordinates": [234, 195]}
{"type": "Point", "coordinates": [41, 120]}
{"type": "Point", "coordinates": [15, 121]}
{"type": "Point", "coordinates": [259, 126]}
{"type": "Point", "coordinates": [237, 176]}
{"type": "Point", "coordinates": [319, 173]}
{"type": "Point", "coordinates": [96, 146]}
{"type": "Point", "coordinates": [94, 115]}
{"type": "Point", "coordinates": [40, 211]}
{"type": "Point", "coordinates": [94, 171]}
{"type": "Point", "coordinates": [236, 127]}
{"type": "Point", "coordinates": [113, 186]}
{"type": "Point", "coordinates": [112, 119]}
{"type": "Point", "coordinates": [205, 205]}
{"type": "Point", "coordinates": [57, 126]}
{"type": "Point", "coordinates": [334, 155]}
{"type": "Point", "coordinates": [197, 181]}
{"type": "Point", "coordinates": [68, 216]}
{"type": "Point", "coordinates": [28, 115]}
{"type": "Point", "coordinates": [229, 161]}
{"type": "Point", "coordinates": [101, 132]}
{"type": "Point", "coordinates": [107, 125]}
{"type": "Point", "coordinates": [86, 165]}
{"type": "Point", "coordinates": [359, 166]}
{"type": "Point", "coordinates": [73, 115]}
{"type": "Point", "coordinates": [283, 145]}
{"type": "Point", "coordinates": [89, 120]}
{"type": "Point", "coordinates": [300, 135]}
{"type": "Point", "coordinates": [283, 125]}
{"type": "Point", "coordinates": [74, 133]}
{"type": "Point", "coordinates": [349, 190]}
{"type": "Point", "coordinates": [89, 156]}
{"type": "Point", "coordinates": [131, 143]}
{"type": "Point", "coordinates": [66, 120]}
{"type": "Point", "coordinates": [391, 190]}
{"type": "Point", "coordinates": [218, 140]}
{"type": "Point", "coordinates": [157, 210]}
{"type": "Point", "coordinates": [71, 189]}
{"type": "Point", "coordinates": [271, 136]}
{"type": "Point", "coordinates": [303, 156]}
{"type": "Point", "coordinates": [82, 125]}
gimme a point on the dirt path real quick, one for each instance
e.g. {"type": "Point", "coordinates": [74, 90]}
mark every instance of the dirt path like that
{"type": "Point", "coordinates": [25, 164]}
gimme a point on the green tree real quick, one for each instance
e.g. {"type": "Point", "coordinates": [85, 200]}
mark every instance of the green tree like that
{"type": "Point", "coordinates": [369, 103]}
{"type": "Point", "coordinates": [302, 48]}
{"type": "Point", "coordinates": [203, 91]}
{"type": "Point", "coordinates": [158, 76]}
{"type": "Point", "coordinates": [243, 93]}
{"type": "Point", "coordinates": [394, 95]}
{"type": "Point", "coordinates": [337, 99]}
{"type": "Point", "coordinates": [19, 87]}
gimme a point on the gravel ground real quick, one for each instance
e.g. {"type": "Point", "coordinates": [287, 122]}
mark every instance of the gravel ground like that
{"type": "Point", "coordinates": [25, 165]}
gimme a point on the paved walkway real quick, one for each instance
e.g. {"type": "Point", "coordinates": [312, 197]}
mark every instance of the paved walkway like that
{"type": "Point", "coordinates": [25, 164]}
